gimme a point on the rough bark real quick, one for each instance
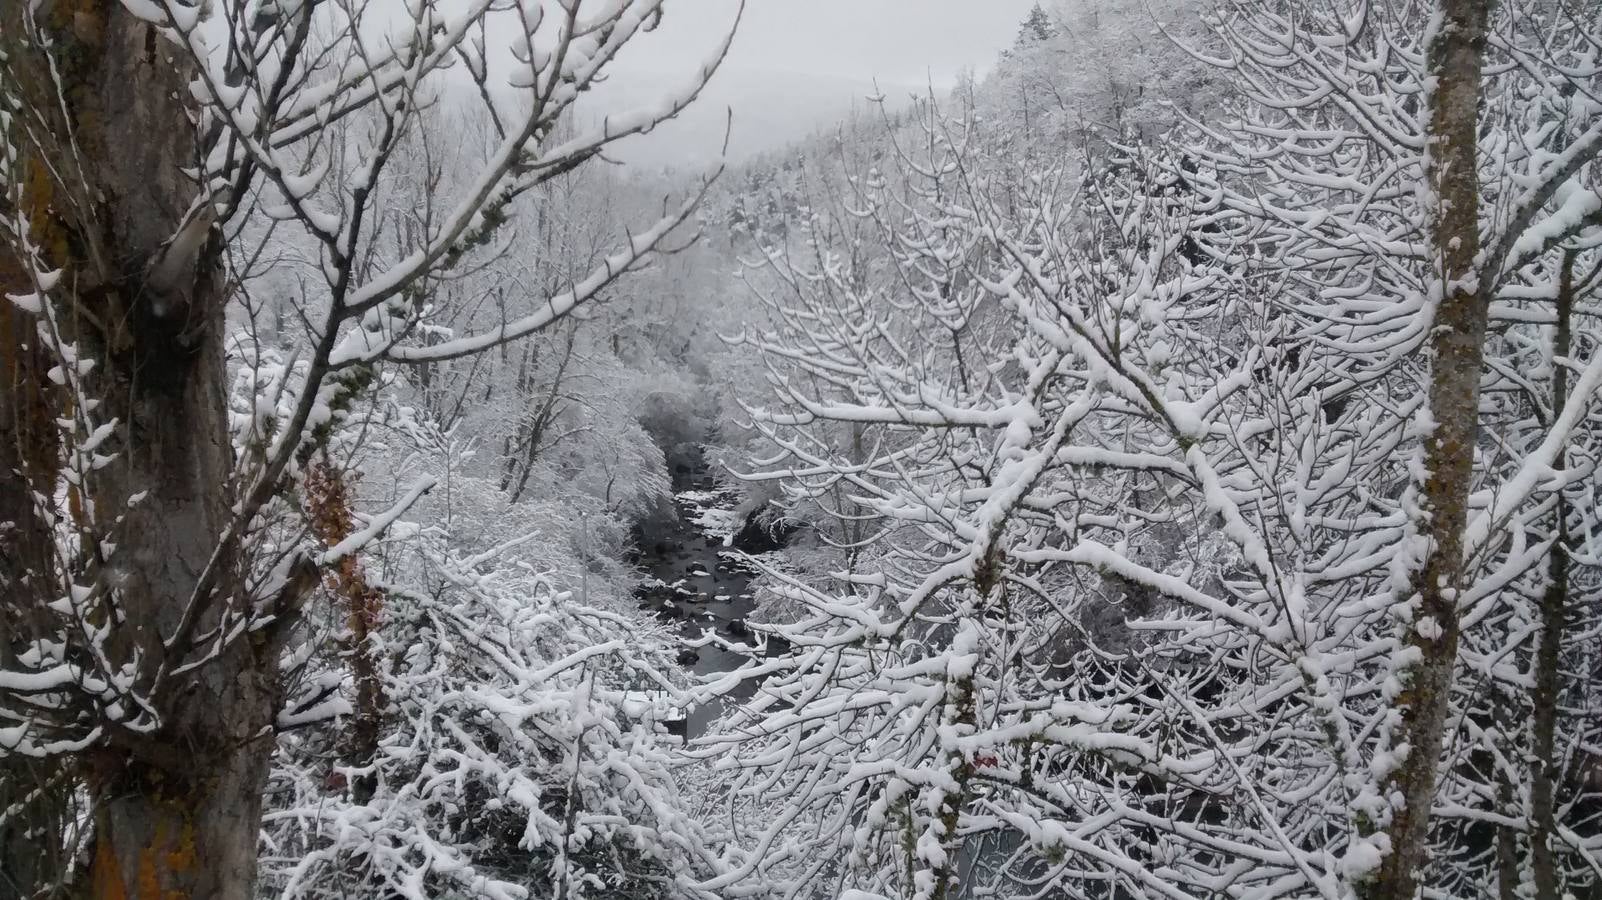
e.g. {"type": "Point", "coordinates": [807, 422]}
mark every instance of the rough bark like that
{"type": "Point", "coordinates": [1507, 848]}
{"type": "Point", "coordinates": [1455, 62]}
{"type": "Point", "coordinates": [177, 812]}
{"type": "Point", "coordinates": [1548, 655]}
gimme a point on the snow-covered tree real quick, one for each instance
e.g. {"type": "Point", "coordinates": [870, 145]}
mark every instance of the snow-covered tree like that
{"type": "Point", "coordinates": [1081, 73]}
{"type": "Point", "coordinates": [519, 749]}
{"type": "Point", "coordinates": [1037, 28]}
{"type": "Point", "coordinates": [1306, 398]}
{"type": "Point", "coordinates": [160, 567]}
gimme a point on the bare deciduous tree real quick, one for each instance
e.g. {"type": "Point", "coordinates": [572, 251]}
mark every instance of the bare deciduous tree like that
{"type": "Point", "coordinates": [146, 605]}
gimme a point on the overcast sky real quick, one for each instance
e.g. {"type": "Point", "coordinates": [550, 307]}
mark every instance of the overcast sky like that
{"type": "Point", "coordinates": [798, 65]}
{"type": "Point", "coordinates": [899, 40]}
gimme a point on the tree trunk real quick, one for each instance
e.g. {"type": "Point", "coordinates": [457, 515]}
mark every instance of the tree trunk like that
{"type": "Point", "coordinates": [176, 811]}
{"type": "Point", "coordinates": [179, 811]}
{"type": "Point", "coordinates": [1507, 848]}
{"type": "Point", "coordinates": [1455, 60]}
{"type": "Point", "coordinates": [1554, 613]}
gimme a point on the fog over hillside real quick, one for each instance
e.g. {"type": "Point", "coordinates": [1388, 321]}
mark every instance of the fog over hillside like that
{"type": "Point", "coordinates": [796, 66]}
{"type": "Point", "coordinates": [760, 109]}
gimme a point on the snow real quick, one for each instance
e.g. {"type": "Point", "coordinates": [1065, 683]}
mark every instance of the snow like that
{"type": "Point", "coordinates": [1113, 479]}
{"type": "Point", "coordinates": [28, 303]}
{"type": "Point", "coordinates": [713, 512]}
{"type": "Point", "coordinates": [376, 525]}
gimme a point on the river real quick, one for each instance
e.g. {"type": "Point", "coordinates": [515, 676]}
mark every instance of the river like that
{"type": "Point", "coordinates": [699, 582]}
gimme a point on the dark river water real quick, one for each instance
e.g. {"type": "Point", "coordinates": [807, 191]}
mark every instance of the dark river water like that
{"type": "Point", "coordinates": [699, 583]}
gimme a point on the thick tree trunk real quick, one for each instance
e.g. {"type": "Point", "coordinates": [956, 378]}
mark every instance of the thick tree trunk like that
{"type": "Point", "coordinates": [1455, 59]}
{"type": "Point", "coordinates": [177, 811]}
{"type": "Point", "coordinates": [190, 837]}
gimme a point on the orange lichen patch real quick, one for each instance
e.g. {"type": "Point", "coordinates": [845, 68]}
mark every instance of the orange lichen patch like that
{"type": "Point", "coordinates": [89, 16]}
{"type": "Point", "coordinates": [60, 80]}
{"type": "Point", "coordinates": [149, 879]}
{"type": "Point", "coordinates": [165, 862]}
{"type": "Point", "coordinates": [105, 876]}
{"type": "Point", "coordinates": [184, 857]}
{"type": "Point", "coordinates": [46, 228]}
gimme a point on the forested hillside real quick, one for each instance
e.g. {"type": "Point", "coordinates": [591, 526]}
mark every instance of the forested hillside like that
{"type": "Point", "coordinates": [1163, 465]}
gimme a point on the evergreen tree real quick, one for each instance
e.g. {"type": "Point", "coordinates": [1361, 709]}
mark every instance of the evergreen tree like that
{"type": "Point", "coordinates": [1037, 28]}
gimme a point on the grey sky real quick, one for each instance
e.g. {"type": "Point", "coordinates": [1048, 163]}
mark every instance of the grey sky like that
{"type": "Point", "coordinates": [798, 65]}
{"type": "Point", "coordinates": [899, 40]}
